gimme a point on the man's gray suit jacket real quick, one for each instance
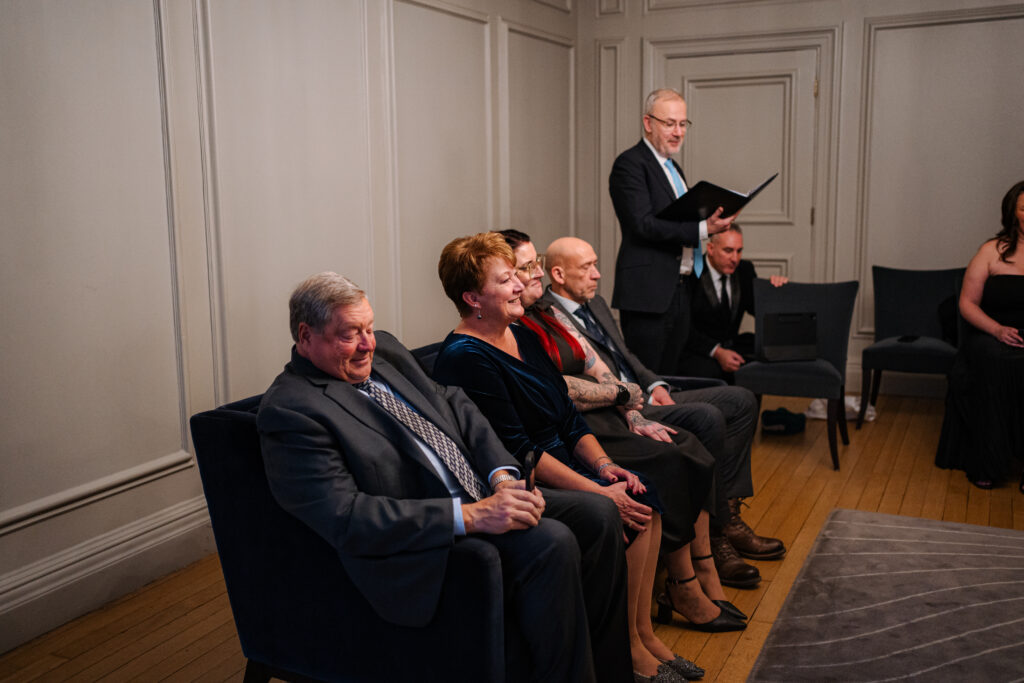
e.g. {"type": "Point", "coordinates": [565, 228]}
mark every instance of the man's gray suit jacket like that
{"type": "Point", "coordinates": [337, 461]}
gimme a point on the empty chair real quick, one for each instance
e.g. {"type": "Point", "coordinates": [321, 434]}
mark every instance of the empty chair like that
{"type": "Point", "coordinates": [915, 319]}
{"type": "Point", "coordinates": [823, 377]}
{"type": "Point", "coordinates": [298, 615]}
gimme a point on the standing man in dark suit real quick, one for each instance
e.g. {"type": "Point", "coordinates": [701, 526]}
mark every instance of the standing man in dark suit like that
{"type": "Point", "coordinates": [657, 258]}
{"type": "Point", "coordinates": [722, 418]}
{"type": "Point", "coordinates": [724, 293]}
{"type": "Point", "coordinates": [392, 469]}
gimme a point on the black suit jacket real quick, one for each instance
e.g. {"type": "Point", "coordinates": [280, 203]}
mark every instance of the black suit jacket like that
{"type": "Point", "coordinates": [647, 267]}
{"type": "Point", "coordinates": [709, 323]}
{"type": "Point", "coordinates": [344, 466]}
{"type": "Point", "coordinates": [603, 315]}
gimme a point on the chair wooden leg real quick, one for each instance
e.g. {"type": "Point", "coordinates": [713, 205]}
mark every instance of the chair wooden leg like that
{"type": "Point", "coordinates": [255, 672]}
{"type": "Point", "coordinates": [875, 385]}
{"type": "Point", "coordinates": [841, 415]}
{"type": "Point", "coordinates": [833, 447]}
{"type": "Point", "coordinates": [865, 390]}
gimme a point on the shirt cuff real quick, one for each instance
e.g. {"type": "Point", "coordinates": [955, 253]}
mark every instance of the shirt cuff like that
{"type": "Point", "coordinates": [655, 385]}
{"type": "Point", "coordinates": [460, 524]}
{"type": "Point", "coordinates": [712, 353]}
{"type": "Point", "coordinates": [703, 230]}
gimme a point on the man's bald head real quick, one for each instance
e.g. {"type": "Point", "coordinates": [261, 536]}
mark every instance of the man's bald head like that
{"type": "Point", "coordinates": [572, 267]}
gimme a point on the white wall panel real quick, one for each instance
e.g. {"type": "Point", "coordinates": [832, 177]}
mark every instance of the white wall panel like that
{"type": "Point", "coordinates": [444, 151]}
{"type": "Point", "coordinates": [88, 359]}
{"type": "Point", "coordinates": [943, 138]}
{"type": "Point", "coordinates": [541, 136]}
{"type": "Point", "coordinates": [288, 96]}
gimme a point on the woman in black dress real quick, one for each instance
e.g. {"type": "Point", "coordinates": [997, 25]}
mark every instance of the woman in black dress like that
{"type": "Point", "coordinates": [983, 430]}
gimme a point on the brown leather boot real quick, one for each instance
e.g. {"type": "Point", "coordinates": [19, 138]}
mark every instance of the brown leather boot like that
{"type": "Point", "coordinates": [732, 570]}
{"type": "Point", "coordinates": [746, 542]}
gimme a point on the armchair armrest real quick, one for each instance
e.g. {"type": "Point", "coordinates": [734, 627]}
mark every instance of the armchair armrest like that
{"type": "Point", "coordinates": [688, 383]}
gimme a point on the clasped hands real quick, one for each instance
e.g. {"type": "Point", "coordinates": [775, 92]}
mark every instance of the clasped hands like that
{"type": "Point", "coordinates": [635, 515]}
{"type": "Point", "coordinates": [511, 507]}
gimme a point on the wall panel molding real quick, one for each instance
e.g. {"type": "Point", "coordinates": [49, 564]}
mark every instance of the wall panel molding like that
{"type": "Point", "coordinates": [771, 264]}
{"type": "Point", "coordinates": [95, 560]}
{"type": "Point", "coordinates": [651, 6]}
{"type": "Point", "coordinates": [206, 85]}
{"type": "Point", "coordinates": [382, 160]}
{"type": "Point", "coordinates": [561, 5]}
{"type": "Point", "coordinates": [609, 69]}
{"type": "Point", "coordinates": [608, 8]}
{"type": "Point", "coordinates": [874, 28]}
{"type": "Point", "coordinates": [785, 81]}
{"type": "Point", "coordinates": [79, 496]}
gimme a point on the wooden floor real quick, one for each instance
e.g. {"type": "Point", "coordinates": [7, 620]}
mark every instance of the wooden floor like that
{"type": "Point", "coordinates": [179, 628]}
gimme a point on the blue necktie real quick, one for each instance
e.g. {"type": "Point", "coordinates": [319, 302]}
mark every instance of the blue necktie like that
{"type": "Point", "coordinates": [677, 182]}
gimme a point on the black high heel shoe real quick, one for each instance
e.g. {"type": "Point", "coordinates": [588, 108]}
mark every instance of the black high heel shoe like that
{"type": "Point", "coordinates": [720, 624]}
{"type": "Point", "coordinates": [724, 605]}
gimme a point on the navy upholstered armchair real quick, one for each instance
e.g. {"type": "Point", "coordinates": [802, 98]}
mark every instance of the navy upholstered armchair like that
{"type": "Point", "coordinates": [299, 617]}
{"type": "Point", "coordinates": [915, 325]}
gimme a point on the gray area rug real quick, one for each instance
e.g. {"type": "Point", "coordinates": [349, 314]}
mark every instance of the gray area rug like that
{"type": "Point", "coordinates": [887, 598]}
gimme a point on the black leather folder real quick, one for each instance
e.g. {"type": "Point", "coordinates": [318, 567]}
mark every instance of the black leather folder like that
{"type": "Point", "coordinates": [704, 198]}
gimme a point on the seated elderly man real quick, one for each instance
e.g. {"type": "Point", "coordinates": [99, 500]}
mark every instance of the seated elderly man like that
{"type": "Point", "coordinates": [392, 469]}
{"type": "Point", "coordinates": [723, 418]}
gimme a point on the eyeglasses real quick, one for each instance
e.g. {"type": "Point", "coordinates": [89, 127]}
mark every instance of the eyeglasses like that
{"type": "Point", "coordinates": [529, 267]}
{"type": "Point", "coordinates": [671, 125]}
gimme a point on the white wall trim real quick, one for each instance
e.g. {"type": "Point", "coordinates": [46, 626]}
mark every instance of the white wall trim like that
{"type": "Point", "coordinates": [85, 494]}
{"type": "Point", "coordinates": [211, 196]}
{"type": "Point", "coordinates": [68, 566]}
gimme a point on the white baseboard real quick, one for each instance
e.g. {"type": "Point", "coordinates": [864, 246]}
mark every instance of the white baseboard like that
{"type": "Point", "coordinates": [45, 594]}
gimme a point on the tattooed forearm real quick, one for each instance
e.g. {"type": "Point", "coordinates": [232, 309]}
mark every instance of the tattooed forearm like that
{"type": "Point", "coordinates": [587, 395]}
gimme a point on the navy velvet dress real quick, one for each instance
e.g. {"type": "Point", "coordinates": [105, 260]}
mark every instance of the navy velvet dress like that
{"type": "Point", "coordinates": [983, 430]}
{"type": "Point", "coordinates": [526, 401]}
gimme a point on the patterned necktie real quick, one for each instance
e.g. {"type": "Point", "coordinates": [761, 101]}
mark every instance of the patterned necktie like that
{"type": "Point", "coordinates": [677, 183]}
{"type": "Point", "coordinates": [431, 435]}
{"type": "Point", "coordinates": [590, 322]}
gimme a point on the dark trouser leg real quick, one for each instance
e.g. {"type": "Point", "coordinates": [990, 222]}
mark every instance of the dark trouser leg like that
{"type": "Point", "coordinates": [541, 568]}
{"type": "Point", "coordinates": [595, 522]}
{"type": "Point", "coordinates": [659, 339]}
{"type": "Point", "coordinates": [738, 408]}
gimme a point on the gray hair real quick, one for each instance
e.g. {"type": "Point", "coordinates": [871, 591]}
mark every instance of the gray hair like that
{"type": "Point", "coordinates": [735, 227]}
{"type": "Point", "coordinates": [659, 94]}
{"type": "Point", "coordinates": [314, 301]}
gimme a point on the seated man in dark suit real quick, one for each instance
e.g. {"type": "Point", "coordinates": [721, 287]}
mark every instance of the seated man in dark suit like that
{"type": "Point", "coordinates": [715, 347]}
{"type": "Point", "coordinates": [722, 418]}
{"type": "Point", "coordinates": [393, 469]}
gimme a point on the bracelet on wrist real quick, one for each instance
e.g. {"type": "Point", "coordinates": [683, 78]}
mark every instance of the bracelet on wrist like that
{"type": "Point", "coordinates": [499, 479]}
{"type": "Point", "coordinates": [607, 464]}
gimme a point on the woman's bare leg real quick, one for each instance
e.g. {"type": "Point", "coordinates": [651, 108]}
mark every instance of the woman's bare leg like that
{"type": "Point", "coordinates": [637, 555]}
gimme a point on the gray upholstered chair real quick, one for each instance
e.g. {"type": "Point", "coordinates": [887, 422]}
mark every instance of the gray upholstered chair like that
{"type": "Point", "coordinates": [915, 323]}
{"type": "Point", "coordinates": [823, 377]}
